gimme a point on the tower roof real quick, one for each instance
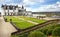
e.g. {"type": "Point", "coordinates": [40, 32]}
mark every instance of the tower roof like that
{"type": "Point", "coordinates": [22, 7]}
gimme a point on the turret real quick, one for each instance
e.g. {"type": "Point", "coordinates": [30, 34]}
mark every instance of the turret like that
{"type": "Point", "coordinates": [22, 7]}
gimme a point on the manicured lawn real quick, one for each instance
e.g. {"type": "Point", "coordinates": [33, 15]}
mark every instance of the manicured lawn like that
{"type": "Point", "coordinates": [32, 19]}
{"type": "Point", "coordinates": [20, 23]}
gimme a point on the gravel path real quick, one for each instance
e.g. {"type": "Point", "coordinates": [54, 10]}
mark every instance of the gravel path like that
{"type": "Point", "coordinates": [6, 28]}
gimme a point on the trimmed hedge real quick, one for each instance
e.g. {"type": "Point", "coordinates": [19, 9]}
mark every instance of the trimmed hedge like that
{"type": "Point", "coordinates": [36, 34]}
{"type": "Point", "coordinates": [22, 35]}
{"type": "Point", "coordinates": [49, 32]}
{"type": "Point", "coordinates": [15, 36]}
{"type": "Point", "coordinates": [49, 28]}
{"type": "Point", "coordinates": [45, 30]}
{"type": "Point", "coordinates": [56, 32]}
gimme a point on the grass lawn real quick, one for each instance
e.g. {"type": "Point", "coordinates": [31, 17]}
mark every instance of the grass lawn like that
{"type": "Point", "coordinates": [32, 19]}
{"type": "Point", "coordinates": [20, 23]}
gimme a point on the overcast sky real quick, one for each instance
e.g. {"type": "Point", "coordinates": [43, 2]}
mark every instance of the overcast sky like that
{"type": "Point", "coordinates": [35, 5]}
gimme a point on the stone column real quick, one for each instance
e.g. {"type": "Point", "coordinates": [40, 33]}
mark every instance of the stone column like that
{"type": "Point", "coordinates": [8, 10]}
{"type": "Point", "coordinates": [4, 10]}
{"type": "Point", "coordinates": [18, 11]}
{"type": "Point", "coordinates": [13, 11]}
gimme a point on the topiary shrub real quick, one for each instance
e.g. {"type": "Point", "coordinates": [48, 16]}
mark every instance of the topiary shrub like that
{"type": "Point", "coordinates": [49, 32]}
{"type": "Point", "coordinates": [10, 20]}
{"type": "Point", "coordinates": [6, 20]}
{"type": "Point", "coordinates": [44, 30]}
{"type": "Point", "coordinates": [36, 34]}
{"type": "Point", "coordinates": [14, 35]}
{"type": "Point", "coordinates": [56, 32]}
{"type": "Point", "coordinates": [24, 35]}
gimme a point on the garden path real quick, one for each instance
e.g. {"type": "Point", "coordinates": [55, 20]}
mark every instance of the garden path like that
{"type": "Point", "coordinates": [6, 28]}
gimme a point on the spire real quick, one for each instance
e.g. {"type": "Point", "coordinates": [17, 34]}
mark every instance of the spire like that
{"type": "Point", "coordinates": [22, 7]}
{"type": "Point", "coordinates": [2, 5]}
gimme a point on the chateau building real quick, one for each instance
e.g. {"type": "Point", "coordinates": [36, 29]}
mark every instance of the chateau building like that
{"type": "Point", "coordinates": [13, 10]}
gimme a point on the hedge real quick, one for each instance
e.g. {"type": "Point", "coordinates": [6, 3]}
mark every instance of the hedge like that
{"type": "Point", "coordinates": [36, 34]}
{"type": "Point", "coordinates": [56, 32]}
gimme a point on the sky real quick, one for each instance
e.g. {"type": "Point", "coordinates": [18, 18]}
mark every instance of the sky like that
{"type": "Point", "coordinates": [34, 5]}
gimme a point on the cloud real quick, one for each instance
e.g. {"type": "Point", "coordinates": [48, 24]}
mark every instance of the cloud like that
{"type": "Point", "coordinates": [29, 3]}
{"type": "Point", "coordinates": [32, 2]}
{"type": "Point", "coordinates": [51, 7]}
{"type": "Point", "coordinates": [5, 1]}
{"type": "Point", "coordinates": [2, 0]}
{"type": "Point", "coordinates": [37, 1]}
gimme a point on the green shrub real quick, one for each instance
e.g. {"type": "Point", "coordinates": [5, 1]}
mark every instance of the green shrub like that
{"type": "Point", "coordinates": [49, 28]}
{"type": "Point", "coordinates": [44, 30]}
{"type": "Point", "coordinates": [14, 35]}
{"type": "Point", "coordinates": [36, 34]}
{"type": "Point", "coordinates": [49, 32]}
{"type": "Point", "coordinates": [24, 35]}
{"type": "Point", "coordinates": [56, 32]}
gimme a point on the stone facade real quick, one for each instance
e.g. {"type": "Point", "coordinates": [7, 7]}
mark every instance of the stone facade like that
{"type": "Point", "coordinates": [13, 10]}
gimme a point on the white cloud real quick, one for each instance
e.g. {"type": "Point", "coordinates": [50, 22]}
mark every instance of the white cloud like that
{"type": "Point", "coordinates": [52, 7]}
{"type": "Point", "coordinates": [5, 1]}
{"type": "Point", "coordinates": [32, 2]}
{"type": "Point", "coordinates": [26, 3]}
{"type": "Point", "coordinates": [37, 1]}
{"type": "Point", "coordinates": [1, 0]}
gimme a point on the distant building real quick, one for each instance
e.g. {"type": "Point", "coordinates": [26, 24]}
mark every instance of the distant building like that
{"type": "Point", "coordinates": [28, 13]}
{"type": "Point", "coordinates": [13, 10]}
{"type": "Point", "coordinates": [39, 16]}
{"type": "Point", "coordinates": [48, 14]}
